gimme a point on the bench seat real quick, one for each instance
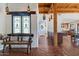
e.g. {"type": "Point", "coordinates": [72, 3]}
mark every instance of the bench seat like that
{"type": "Point", "coordinates": [16, 42]}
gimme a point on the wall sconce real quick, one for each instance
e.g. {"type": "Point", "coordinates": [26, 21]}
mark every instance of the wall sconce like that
{"type": "Point", "coordinates": [44, 17]}
{"type": "Point", "coordinates": [6, 8]}
{"type": "Point", "coordinates": [28, 8]}
{"type": "Point", "coordinates": [50, 17]}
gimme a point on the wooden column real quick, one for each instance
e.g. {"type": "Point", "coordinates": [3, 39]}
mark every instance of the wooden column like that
{"type": "Point", "coordinates": [55, 26]}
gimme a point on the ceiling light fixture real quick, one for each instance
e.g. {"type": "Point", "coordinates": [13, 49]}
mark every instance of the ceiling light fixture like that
{"type": "Point", "coordinates": [44, 17]}
{"type": "Point", "coordinates": [28, 8]}
{"type": "Point", "coordinates": [7, 8]}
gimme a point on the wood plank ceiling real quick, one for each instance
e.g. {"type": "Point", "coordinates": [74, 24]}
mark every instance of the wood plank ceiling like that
{"type": "Point", "coordinates": [44, 7]}
{"type": "Point", "coordinates": [60, 7]}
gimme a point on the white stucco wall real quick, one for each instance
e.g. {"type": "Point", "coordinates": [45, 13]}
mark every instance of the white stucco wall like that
{"type": "Point", "coordinates": [2, 18]}
{"type": "Point", "coordinates": [2, 22]}
{"type": "Point", "coordinates": [50, 23]}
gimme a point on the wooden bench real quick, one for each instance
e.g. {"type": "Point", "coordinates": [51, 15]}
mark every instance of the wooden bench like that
{"type": "Point", "coordinates": [7, 41]}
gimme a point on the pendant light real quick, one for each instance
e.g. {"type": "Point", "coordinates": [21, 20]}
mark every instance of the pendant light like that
{"type": "Point", "coordinates": [28, 8]}
{"type": "Point", "coordinates": [7, 8]}
{"type": "Point", "coordinates": [50, 17]}
{"type": "Point", "coordinates": [44, 17]}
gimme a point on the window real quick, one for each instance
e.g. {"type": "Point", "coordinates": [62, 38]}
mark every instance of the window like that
{"type": "Point", "coordinates": [16, 24]}
{"type": "Point", "coordinates": [25, 24]}
{"type": "Point", "coordinates": [21, 23]}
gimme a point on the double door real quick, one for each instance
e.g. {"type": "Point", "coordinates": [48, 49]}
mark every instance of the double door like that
{"type": "Point", "coordinates": [21, 24]}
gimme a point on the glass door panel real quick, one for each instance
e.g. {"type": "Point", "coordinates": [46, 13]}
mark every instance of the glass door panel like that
{"type": "Point", "coordinates": [42, 27]}
{"type": "Point", "coordinates": [25, 24]}
{"type": "Point", "coordinates": [16, 24]}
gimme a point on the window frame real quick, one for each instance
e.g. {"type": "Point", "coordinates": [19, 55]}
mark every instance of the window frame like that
{"type": "Point", "coordinates": [21, 14]}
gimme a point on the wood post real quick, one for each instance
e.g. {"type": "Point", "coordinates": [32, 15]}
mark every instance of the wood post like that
{"type": "Point", "coordinates": [55, 26]}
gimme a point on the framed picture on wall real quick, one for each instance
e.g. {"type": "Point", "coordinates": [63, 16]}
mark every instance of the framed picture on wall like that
{"type": "Point", "coordinates": [65, 26]}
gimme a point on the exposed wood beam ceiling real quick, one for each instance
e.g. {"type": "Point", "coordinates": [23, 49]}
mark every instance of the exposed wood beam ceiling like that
{"type": "Point", "coordinates": [60, 7]}
{"type": "Point", "coordinates": [44, 7]}
{"type": "Point", "coordinates": [45, 4]}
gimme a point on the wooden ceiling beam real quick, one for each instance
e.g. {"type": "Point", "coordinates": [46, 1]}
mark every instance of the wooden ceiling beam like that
{"type": "Point", "coordinates": [61, 8]}
{"type": "Point", "coordinates": [50, 9]}
{"type": "Point", "coordinates": [42, 12]}
{"type": "Point", "coordinates": [73, 5]}
{"type": "Point", "coordinates": [11, 12]}
{"type": "Point", "coordinates": [43, 9]}
{"type": "Point", "coordinates": [67, 10]}
{"type": "Point", "coordinates": [44, 4]}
